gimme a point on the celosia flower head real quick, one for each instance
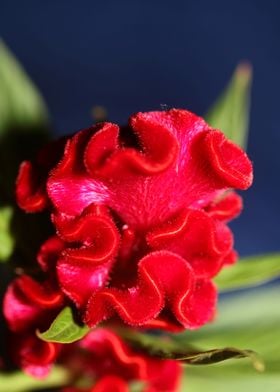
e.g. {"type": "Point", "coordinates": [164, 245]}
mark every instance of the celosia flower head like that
{"type": "Point", "coordinates": [142, 212]}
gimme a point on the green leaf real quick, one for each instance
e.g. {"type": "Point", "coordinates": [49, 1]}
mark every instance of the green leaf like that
{"type": "Point", "coordinates": [20, 102]}
{"type": "Point", "coordinates": [251, 319]}
{"type": "Point", "coordinates": [248, 272]}
{"type": "Point", "coordinates": [23, 121]}
{"type": "Point", "coordinates": [167, 348]}
{"type": "Point", "coordinates": [64, 329]}
{"type": "Point", "coordinates": [6, 238]}
{"type": "Point", "coordinates": [20, 382]}
{"type": "Point", "coordinates": [230, 113]}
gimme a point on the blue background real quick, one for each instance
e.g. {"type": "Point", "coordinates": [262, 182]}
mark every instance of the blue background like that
{"type": "Point", "coordinates": [136, 55]}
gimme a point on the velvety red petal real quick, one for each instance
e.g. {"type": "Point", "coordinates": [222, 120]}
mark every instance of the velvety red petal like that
{"type": "Point", "coordinates": [105, 158]}
{"type": "Point", "coordinates": [40, 294]}
{"type": "Point", "coordinates": [228, 160]}
{"type": "Point", "coordinates": [49, 253]}
{"type": "Point", "coordinates": [31, 181]}
{"type": "Point", "coordinates": [103, 344]}
{"type": "Point", "coordinates": [199, 308]}
{"type": "Point", "coordinates": [162, 275]}
{"type": "Point", "coordinates": [85, 268]}
{"type": "Point", "coordinates": [19, 313]}
{"type": "Point", "coordinates": [70, 187]}
{"type": "Point", "coordinates": [30, 193]}
{"type": "Point", "coordinates": [26, 301]}
{"type": "Point", "coordinates": [197, 237]}
{"type": "Point", "coordinates": [80, 280]}
{"type": "Point", "coordinates": [34, 355]}
{"type": "Point", "coordinates": [226, 207]}
{"type": "Point", "coordinates": [230, 258]}
{"type": "Point", "coordinates": [111, 383]}
{"type": "Point", "coordinates": [163, 376]}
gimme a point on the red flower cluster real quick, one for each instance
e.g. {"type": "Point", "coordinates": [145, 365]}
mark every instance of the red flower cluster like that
{"type": "Point", "coordinates": [142, 213]}
{"type": "Point", "coordinates": [141, 216]}
{"type": "Point", "coordinates": [101, 358]}
{"type": "Point", "coordinates": [107, 363]}
{"type": "Point", "coordinates": [30, 305]}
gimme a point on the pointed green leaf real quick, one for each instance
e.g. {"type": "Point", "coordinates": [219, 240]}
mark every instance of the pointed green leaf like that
{"type": "Point", "coordinates": [6, 237]}
{"type": "Point", "coordinates": [250, 319]}
{"type": "Point", "coordinates": [167, 348]}
{"type": "Point", "coordinates": [23, 121]}
{"type": "Point", "coordinates": [230, 113]}
{"type": "Point", "coordinates": [21, 382]}
{"type": "Point", "coordinates": [218, 355]}
{"type": "Point", "coordinates": [20, 102]}
{"type": "Point", "coordinates": [250, 271]}
{"type": "Point", "coordinates": [64, 328]}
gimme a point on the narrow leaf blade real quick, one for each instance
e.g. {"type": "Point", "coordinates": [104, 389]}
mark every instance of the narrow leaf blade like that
{"type": "Point", "coordinates": [167, 348]}
{"type": "Point", "coordinates": [7, 240]}
{"type": "Point", "coordinates": [20, 101]}
{"type": "Point", "coordinates": [24, 120]}
{"type": "Point", "coordinates": [252, 319]}
{"type": "Point", "coordinates": [21, 382]}
{"type": "Point", "coordinates": [230, 113]}
{"type": "Point", "coordinates": [249, 272]}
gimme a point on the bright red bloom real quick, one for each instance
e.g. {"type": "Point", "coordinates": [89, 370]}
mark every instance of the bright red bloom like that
{"type": "Point", "coordinates": [142, 211]}
{"type": "Point", "coordinates": [111, 366]}
{"type": "Point", "coordinates": [34, 356]}
{"type": "Point", "coordinates": [30, 305]}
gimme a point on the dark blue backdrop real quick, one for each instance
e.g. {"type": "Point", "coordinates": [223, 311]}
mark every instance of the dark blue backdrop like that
{"type": "Point", "coordinates": [133, 55]}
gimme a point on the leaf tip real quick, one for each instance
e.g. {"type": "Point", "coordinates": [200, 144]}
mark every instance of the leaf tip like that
{"type": "Point", "coordinates": [244, 72]}
{"type": "Point", "coordinates": [259, 365]}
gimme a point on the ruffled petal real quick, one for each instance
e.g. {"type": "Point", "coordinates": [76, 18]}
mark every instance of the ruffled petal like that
{"type": "Point", "coordinates": [49, 253]}
{"type": "Point", "coordinates": [70, 187]}
{"type": "Point", "coordinates": [194, 235]}
{"type": "Point", "coordinates": [26, 301]}
{"type": "Point", "coordinates": [228, 160]}
{"type": "Point", "coordinates": [84, 265]}
{"type": "Point", "coordinates": [111, 383]}
{"type": "Point", "coordinates": [162, 275]}
{"type": "Point", "coordinates": [19, 313]}
{"type": "Point", "coordinates": [103, 344]}
{"type": "Point", "coordinates": [105, 158]}
{"type": "Point", "coordinates": [33, 355]}
{"type": "Point", "coordinates": [31, 181]}
{"type": "Point", "coordinates": [226, 207]}
{"type": "Point", "coordinates": [30, 190]}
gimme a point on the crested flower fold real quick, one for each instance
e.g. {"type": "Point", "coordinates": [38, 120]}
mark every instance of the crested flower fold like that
{"type": "Point", "coordinates": [31, 305]}
{"type": "Point", "coordinates": [142, 214]}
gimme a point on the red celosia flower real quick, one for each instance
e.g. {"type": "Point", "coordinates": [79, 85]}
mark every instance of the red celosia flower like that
{"type": "Point", "coordinates": [110, 365]}
{"type": "Point", "coordinates": [142, 211]}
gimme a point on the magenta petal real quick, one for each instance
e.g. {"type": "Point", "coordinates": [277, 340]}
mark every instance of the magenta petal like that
{"type": "Point", "coordinates": [79, 279]}
{"type": "Point", "coordinates": [18, 311]}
